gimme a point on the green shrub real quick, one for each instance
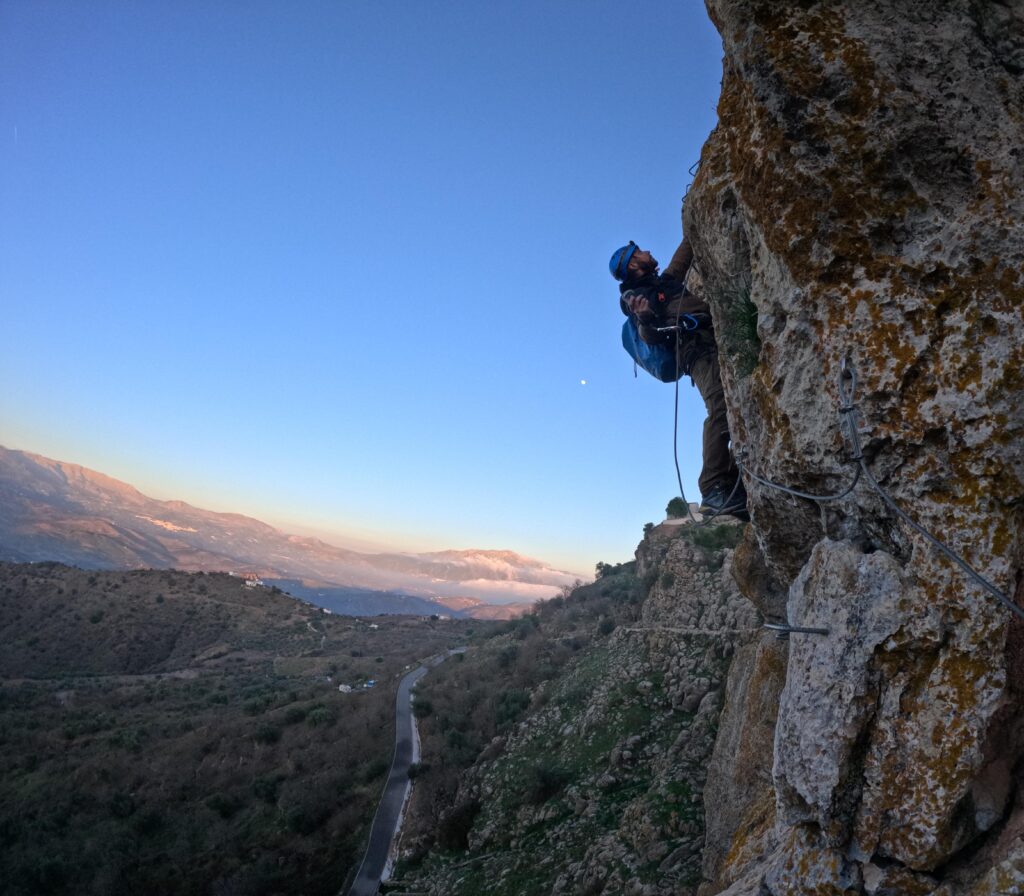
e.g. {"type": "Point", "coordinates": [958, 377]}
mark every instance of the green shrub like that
{"type": "Point", "coordinates": [128, 739]}
{"type": "Point", "coordinates": [676, 508]}
{"type": "Point", "coordinates": [511, 705]}
{"type": "Point", "coordinates": [257, 705]}
{"type": "Point", "coordinates": [574, 696]}
{"type": "Point", "coordinates": [739, 341]}
{"type": "Point", "coordinates": [545, 779]}
{"type": "Point", "coordinates": [716, 538]}
{"type": "Point", "coordinates": [456, 739]}
{"type": "Point", "coordinates": [223, 804]}
{"type": "Point", "coordinates": [453, 830]}
{"type": "Point", "coordinates": [376, 769]}
{"type": "Point", "coordinates": [524, 626]}
{"type": "Point", "coordinates": [267, 734]}
{"type": "Point", "coordinates": [306, 817]}
{"type": "Point", "coordinates": [507, 656]}
{"type": "Point", "coordinates": [321, 715]}
{"type": "Point", "coordinates": [265, 788]}
{"type": "Point", "coordinates": [295, 714]}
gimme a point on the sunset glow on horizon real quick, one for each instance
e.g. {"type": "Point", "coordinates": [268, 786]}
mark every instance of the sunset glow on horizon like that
{"type": "Point", "coordinates": [341, 267]}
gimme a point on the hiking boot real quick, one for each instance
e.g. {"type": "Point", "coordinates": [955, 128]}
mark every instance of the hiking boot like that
{"type": "Point", "coordinates": [724, 499]}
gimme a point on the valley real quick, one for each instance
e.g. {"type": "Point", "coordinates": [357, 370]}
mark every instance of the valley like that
{"type": "Point", "coordinates": [168, 731]}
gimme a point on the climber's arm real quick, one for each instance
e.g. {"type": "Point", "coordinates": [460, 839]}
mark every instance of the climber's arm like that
{"type": "Point", "coordinates": [681, 261]}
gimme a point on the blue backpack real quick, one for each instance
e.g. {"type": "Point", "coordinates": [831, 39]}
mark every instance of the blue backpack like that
{"type": "Point", "coordinates": [658, 360]}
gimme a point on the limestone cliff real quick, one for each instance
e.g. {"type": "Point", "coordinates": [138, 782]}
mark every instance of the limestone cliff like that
{"type": "Point", "coordinates": [861, 195]}
{"type": "Point", "coordinates": [856, 226]}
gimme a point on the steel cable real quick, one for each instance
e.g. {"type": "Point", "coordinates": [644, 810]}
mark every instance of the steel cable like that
{"type": "Point", "coordinates": [792, 491]}
{"type": "Point", "coordinates": [943, 549]}
{"type": "Point", "coordinates": [847, 389]}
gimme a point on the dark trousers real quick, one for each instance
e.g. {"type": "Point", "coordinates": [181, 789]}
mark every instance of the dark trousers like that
{"type": "Point", "coordinates": [719, 470]}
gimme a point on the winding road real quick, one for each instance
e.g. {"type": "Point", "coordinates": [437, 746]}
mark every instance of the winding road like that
{"type": "Point", "coordinates": [388, 816]}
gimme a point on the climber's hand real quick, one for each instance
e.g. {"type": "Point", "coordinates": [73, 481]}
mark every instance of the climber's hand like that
{"type": "Point", "coordinates": [639, 306]}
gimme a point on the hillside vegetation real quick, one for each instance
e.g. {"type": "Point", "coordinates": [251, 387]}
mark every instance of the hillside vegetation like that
{"type": "Point", "coordinates": [567, 753]}
{"type": "Point", "coordinates": [170, 732]}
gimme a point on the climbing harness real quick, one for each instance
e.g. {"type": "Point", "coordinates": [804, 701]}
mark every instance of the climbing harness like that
{"type": "Point", "coordinates": [848, 411]}
{"type": "Point", "coordinates": [684, 322]}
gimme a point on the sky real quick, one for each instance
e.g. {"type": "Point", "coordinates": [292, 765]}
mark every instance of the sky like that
{"type": "Point", "coordinates": [343, 266]}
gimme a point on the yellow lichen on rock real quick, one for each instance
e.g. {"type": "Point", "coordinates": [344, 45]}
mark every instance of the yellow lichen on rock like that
{"type": "Point", "coordinates": [752, 837]}
{"type": "Point", "coordinates": [807, 867]}
{"type": "Point", "coordinates": [865, 185]}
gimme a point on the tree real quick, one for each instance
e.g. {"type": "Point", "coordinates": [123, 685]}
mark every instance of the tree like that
{"type": "Point", "coordinates": [676, 508]}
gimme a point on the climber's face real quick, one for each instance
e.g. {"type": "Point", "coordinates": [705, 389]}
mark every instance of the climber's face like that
{"type": "Point", "coordinates": [642, 263]}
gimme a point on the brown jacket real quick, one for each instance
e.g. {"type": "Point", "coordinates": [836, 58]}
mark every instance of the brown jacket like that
{"type": "Point", "coordinates": [667, 295]}
{"type": "Point", "coordinates": [669, 300]}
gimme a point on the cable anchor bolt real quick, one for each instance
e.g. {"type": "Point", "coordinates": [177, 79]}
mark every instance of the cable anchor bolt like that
{"type": "Point", "coordinates": [784, 629]}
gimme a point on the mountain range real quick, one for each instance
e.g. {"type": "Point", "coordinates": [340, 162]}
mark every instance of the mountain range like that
{"type": "Point", "coordinates": [52, 510]}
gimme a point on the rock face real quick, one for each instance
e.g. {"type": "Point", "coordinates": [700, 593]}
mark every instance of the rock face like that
{"type": "Point", "coordinates": [862, 195]}
{"type": "Point", "coordinates": [856, 222]}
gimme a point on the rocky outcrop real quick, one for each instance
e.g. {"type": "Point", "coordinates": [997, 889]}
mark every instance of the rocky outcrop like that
{"type": "Point", "coordinates": [601, 788]}
{"type": "Point", "coordinates": [861, 195]}
{"type": "Point", "coordinates": [739, 792]}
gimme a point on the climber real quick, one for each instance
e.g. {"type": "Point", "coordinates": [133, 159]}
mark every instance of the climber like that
{"type": "Point", "coordinates": [656, 301]}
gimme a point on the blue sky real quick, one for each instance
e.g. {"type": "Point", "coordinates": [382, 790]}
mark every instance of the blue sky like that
{"type": "Point", "coordinates": [343, 265]}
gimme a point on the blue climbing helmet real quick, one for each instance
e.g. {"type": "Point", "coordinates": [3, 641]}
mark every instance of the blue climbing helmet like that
{"type": "Point", "coordinates": [620, 260]}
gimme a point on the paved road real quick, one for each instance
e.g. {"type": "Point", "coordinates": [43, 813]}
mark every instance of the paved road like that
{"type": "Point", "coordinates": [389, 810]}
